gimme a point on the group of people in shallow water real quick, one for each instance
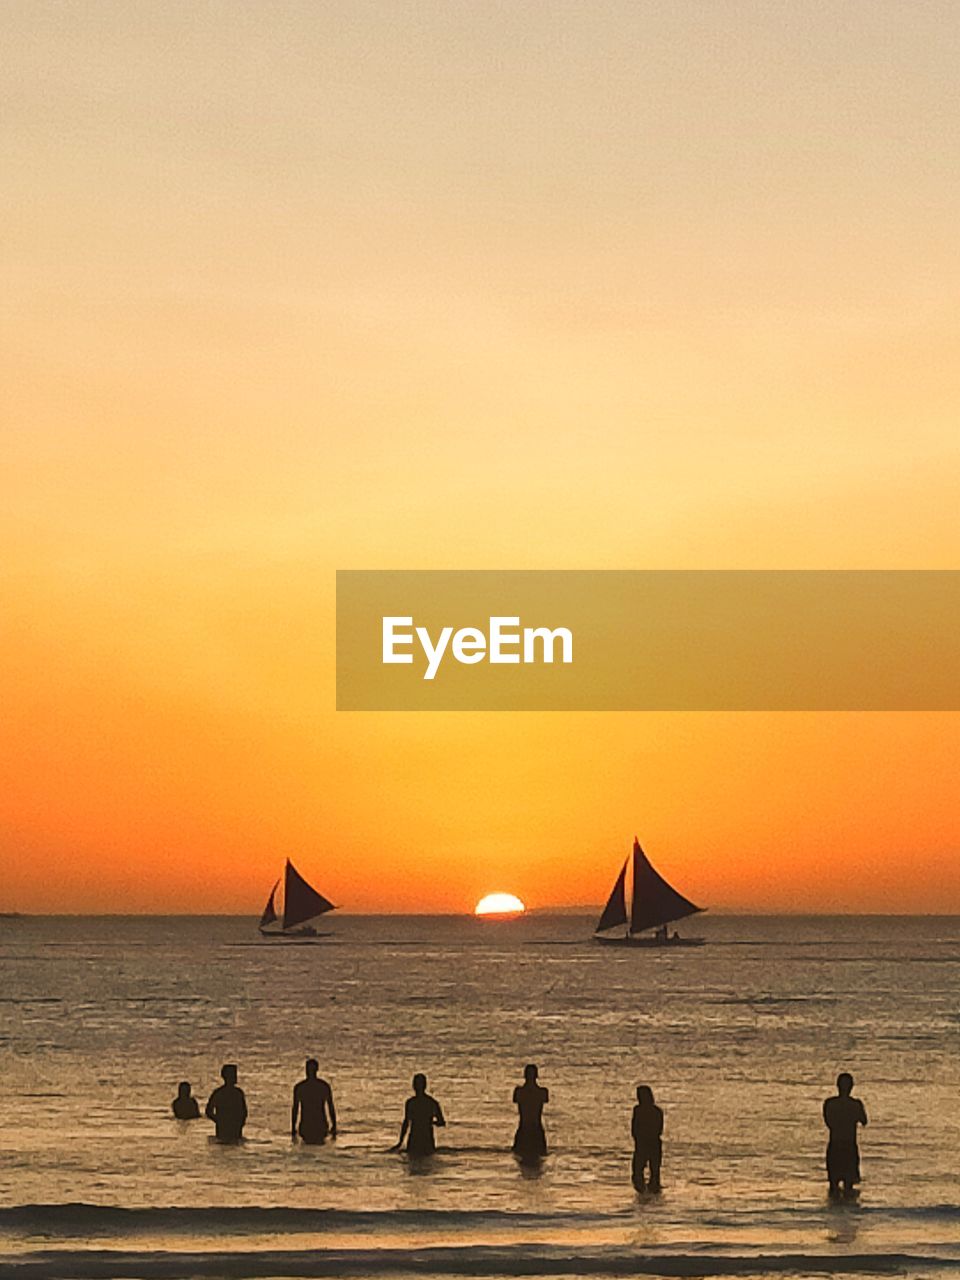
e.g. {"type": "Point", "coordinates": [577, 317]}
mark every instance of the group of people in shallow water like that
{"type": "Point", "coordinates": [313, 1119]}
{"type": "Point", "coordinates": [313, 1116]}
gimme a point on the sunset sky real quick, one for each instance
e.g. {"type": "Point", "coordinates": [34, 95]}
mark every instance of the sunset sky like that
{"type": "Point", "coordinates": [293, 287]}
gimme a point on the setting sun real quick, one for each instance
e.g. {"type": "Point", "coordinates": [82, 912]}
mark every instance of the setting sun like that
{"type": "Point", "coordinates": [499, 904]}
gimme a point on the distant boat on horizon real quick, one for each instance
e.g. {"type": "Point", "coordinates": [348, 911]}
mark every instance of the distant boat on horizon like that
{"type": "Point", "coordinates": [301, 905]}
{"type": "Point", "coordinates": [654, 905]}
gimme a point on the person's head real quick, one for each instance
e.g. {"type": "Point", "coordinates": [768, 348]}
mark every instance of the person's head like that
{"type": "Point", "coordinates": [644, 1095]}
{"type": "Point", "coordinates": [844, 1084]}
{"type": "Point", "coordinates": [530, 1073]}
{"type": "Point", "coordinates": [312, 1067]}
{"type": "Point", "coordinates": [183, 1089]}
{"type": "Point", "coordinates": [419, 1083]}
{"type": "Point", "coordinates": [228, 1073]}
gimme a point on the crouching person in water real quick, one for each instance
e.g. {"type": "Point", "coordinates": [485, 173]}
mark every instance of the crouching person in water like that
{"type": "Point", "coordinates": [185, 1105]}
{"type": "Point", "coordinates": [842, 1114]}
{"type": "Point", "coordinates": [647, 1130]}
{"type": "Point", "coordinates": [421, 1116]}
{"type": "Point", "coordinates": [227, 1107]}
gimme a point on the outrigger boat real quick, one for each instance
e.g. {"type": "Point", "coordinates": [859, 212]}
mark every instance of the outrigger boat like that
{"type": "Point", "coordinates": [654, 905]}
{"type": "Point", "coordinates": [301, 904]}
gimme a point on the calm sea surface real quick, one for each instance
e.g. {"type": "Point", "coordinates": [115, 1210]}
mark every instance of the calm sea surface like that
{"type": "Point", "coordinates": [741, 1040]}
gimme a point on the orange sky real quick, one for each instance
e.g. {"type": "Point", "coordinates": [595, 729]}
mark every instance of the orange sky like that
{"type": "Point", "coordinates": [300, 287]}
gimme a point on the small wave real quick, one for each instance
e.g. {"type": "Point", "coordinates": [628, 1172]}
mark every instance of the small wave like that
{"type": "Point", "coordinates": [31, 1000]}
{"type": "Point", "coordinates": [93, 1219]}
{"type": "Point", "coordinates": [479, 1260]}
{"type": "Point", "coordinates": [935, 1212]}
{"type": "Point", "coordinates": [764, 1001]}
{"type": "Point", "coordinates": [79, 1218]}
{"type": "Point", "coordinates": [820, 1211]}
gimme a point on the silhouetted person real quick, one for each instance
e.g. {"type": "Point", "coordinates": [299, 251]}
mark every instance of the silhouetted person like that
{"type": "Point", "coordinates": [227, 1107]}
{"type": "Point", "coordinates": [842, 1114]}
{"type": "Point", "coordinates": [312, 1104]}
{"type": "Point", "coordinates": [421, 1116]}
{"type": "Point", "coordinates": [530, 1141]}
{"type": "Point", "coordinates": [185, 1105]}
{"type": "Point", "coordinates": [647, 1129]}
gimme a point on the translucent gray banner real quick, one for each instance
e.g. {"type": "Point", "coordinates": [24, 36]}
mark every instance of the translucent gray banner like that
{"type": "Point", "coordinates": [664, 640]}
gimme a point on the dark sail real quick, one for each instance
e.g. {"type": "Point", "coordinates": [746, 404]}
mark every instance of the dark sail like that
{"type": "Point", "coordinates": [301, 901]}
{"type": "Point", "coordinates": [654, 901]}
{"type": "Point", "coordinates": [270, 910]}
{"type": "Point", "coordinates": [615, 912]}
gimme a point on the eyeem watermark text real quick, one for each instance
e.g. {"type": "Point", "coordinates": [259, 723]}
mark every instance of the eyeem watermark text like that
{"type": "Point", "coordinates": [505, 642]}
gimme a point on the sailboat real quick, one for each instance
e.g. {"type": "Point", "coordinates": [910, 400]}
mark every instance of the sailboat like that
{"type": "Point", "coordinates": [301, 904]}
{"type": "Point", "coordinates": [654, 905]}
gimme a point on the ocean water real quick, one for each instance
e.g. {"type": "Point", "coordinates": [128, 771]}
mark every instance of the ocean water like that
{"type": "Point", "coordinates": [741, 1041]}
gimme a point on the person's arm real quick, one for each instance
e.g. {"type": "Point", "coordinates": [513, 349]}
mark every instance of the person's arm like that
{"type": "Point", "coordinates": [546, 1095]}
{"type": "Point", "coordinates": [826, 1113]}
{"type": "Point", "coordinates": [659, 1122]}
{"type": "Point", "coordinates": [635, 1126]}
{"type": "Point", "coordinates": [243, 1107]}
{"type": "Point", "coordinates": [863, 1114]}
{"type": "Point", "coordinates": [438, 1119]}
{"type": "Point", "coordinates": [332, 1110]}
{"type": "Point", "coordinates": [211, 1110]}
{"type": "Point", "coordinates": [403, 1128]}
{"type": "Point", "coordinates": [295, 1111]}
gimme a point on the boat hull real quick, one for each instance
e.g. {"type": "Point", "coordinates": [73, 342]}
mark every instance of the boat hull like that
{"type": "Point", "coordinates": [649, 944]}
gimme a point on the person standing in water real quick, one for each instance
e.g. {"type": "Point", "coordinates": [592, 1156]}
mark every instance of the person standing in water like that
{"type": "Point", "coordinates": [842, 1114]}
{"type": "Point", "coordinates": [312, 1105]}
{"type": "Point", "coordinates": [185, 1105]}
{"type": "Point", "coordinates": [421, 1115]}
{"type": "Point", "coordinates": [227, 1107]}
{"type": "Point", "coordinates": [530, 1141]}
{"type": "Point", "coordinates": [647, 1129]}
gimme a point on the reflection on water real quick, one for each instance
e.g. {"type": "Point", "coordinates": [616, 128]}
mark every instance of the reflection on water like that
{"type": "Point", "coordinates": [844, 1225]}
{"type": "Point", "coordinates": [741, 1041]}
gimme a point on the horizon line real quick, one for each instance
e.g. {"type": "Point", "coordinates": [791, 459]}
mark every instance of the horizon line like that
{"type": "Point", "coordinates": [555, 912]}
